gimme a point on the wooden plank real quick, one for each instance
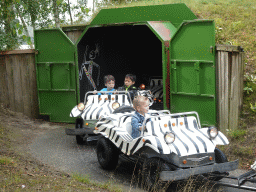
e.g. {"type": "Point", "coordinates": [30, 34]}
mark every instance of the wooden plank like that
{"type": "Point", "coordinates": [73, 35]}
{"type": "Point", "coordinates": [15, 52]}
{"type": "Point", "coordinates": [226, 90]}
{"type": "Point", "coordinates": [74, 28]}
{"type": "Point", "coordinates": [228, 48]}
{"type": "Point", "coordinates": [69, 34]}
{"type": "Point", "coordinates": [17, 84]}
{"type": "Point", "coordinates": [77, 35]}
{"type": "Point", "coordinates": [25, 84]}
{"type": "Point", "coordinates": [233, 113]}
{"type": "Point", "coordinates": [241, 67]}
{"type": "Point", "coordinates": [221, 90]}
{"type": "Point", "coordinates": [33, 86]}
{"type": "Point", "coordinates": [9, 72]}
{"type": "Point", "coordinates": [4, 98]}
{"type": "Point", "coordinates": [217, 88]}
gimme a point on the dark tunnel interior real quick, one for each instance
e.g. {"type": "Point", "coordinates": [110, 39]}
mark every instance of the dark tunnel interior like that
{"type": "Point", "coordinates": [117, 51]}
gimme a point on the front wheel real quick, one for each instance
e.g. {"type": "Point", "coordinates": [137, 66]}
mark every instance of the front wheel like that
{"type": "Point", "coordinates": [151, 173]}
{"type": "Point", "coordinates": [107, 154]}
{"type": "Point", "coordinates": [79, 138]}
{"type": "Point", "coordinates": [220, 157]}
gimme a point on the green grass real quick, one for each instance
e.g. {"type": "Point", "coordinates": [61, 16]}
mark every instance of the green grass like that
{"type": "Point", "coordinates": [5, 160]}
{"type": "Point", "coordinates": [237, 134]}
{"type": "Point", "coordinates": [105, 185]}
{"type": "Point", "coordinates": [16, 176]}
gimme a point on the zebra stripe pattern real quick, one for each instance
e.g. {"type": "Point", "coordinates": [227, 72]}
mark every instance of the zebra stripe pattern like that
{"type": "Point", "coordinates": [156, 88]}
{"type": "Point", "coordinates": [189, 139]}
{"type": "Point", "coordinates": [98, 105]}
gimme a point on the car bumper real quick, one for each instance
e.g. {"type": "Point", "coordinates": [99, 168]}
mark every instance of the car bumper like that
{"type": "Point", "coordinates": [186, 173]}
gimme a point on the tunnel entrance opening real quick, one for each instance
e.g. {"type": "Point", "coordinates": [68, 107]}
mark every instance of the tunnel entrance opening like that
{"type": "Point", "coordinates": [117, 51]}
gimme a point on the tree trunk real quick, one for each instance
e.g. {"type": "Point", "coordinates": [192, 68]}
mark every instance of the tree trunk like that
{"type": "Point", "coordinates": [93, 6]}
{"type": "Point", "coordinates": [56, 13]}
{"type": "Point", "coordinates": [70, 13]}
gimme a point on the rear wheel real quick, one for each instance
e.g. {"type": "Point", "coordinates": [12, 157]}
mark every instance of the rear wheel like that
{"type": "Point", "coordinates": [107, 154]}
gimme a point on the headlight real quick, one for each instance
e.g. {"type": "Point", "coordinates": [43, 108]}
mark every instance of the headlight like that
{"type": "Point", "coordinates": [115, 105]}
{"type": "Point", "coordinates": [169, 138]}
{"type": "Point", "coordinates": [212, 132]}
{"type": "Point", "coordinates": [80, 106]}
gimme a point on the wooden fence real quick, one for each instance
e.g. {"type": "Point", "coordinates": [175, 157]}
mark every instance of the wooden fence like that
{"type": "Point", "coordinates": [18, 88]}
{"type": "Point", "coordinates": [73, 34]}
{"type": "Point", "coordinates": [229, 78]}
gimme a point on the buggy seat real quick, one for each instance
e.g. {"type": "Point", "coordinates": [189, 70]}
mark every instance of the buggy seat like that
{"type": "Point", "coordinates": [156, 88]}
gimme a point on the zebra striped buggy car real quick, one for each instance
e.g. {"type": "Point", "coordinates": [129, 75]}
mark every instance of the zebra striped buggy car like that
{"type": "Point", "coordinates": [95, 106]}
{"type": "Point", "coordinates": [172, 146]}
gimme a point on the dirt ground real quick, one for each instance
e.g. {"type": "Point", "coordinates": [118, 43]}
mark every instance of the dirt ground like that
{"type": "Point", "coordinates": [19, 170]}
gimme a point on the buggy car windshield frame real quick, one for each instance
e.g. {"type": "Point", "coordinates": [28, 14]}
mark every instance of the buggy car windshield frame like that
{"type": "Point", "coordinates": [125, 92]}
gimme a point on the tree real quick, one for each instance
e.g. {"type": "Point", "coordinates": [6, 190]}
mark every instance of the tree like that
{"type": "Point", "coordinates": [8, 25]}
{"type": "Point", "coordinates": [16, 16]}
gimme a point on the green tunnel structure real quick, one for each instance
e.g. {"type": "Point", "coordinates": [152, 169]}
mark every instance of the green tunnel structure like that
{"type": "Point", "coordinates": [157, 40]}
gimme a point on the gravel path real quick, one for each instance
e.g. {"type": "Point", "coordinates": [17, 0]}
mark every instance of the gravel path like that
{"type": "Point", "coordinates": [57, 149]}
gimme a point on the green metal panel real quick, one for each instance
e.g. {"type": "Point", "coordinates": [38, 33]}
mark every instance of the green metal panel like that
{"type": "Point", "coordinates": [175, 13]}
{"type": "Point", "coordinates": [193, 70]}
{"type": "Point", "coordinates": [56, 74]}
{"type": "Point", "coordinates": [165, 31]}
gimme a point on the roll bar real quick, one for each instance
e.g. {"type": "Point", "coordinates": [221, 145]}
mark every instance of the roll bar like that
{"type": "Point", "coordinates": [91, 92]}
{"type": "Point", "coordinates": [131, 114]}
{"type": "Point", "coordinates": [171, 115]}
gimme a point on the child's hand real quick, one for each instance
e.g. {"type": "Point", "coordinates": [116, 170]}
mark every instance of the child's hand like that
{"type": "Point", "coordinates": [94, 92]}
{"type": "Point", "coordinates": [142, 128]}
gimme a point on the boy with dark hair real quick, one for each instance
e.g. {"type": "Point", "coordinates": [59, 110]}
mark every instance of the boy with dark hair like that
{"type": "Point", "coordinates": [109, 81]}
{"type": "Point", "coordinates": [129, 82]}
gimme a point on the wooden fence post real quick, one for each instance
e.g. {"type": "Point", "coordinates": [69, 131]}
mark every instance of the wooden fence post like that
{"type": "Point", "coordinates": [229, 77]}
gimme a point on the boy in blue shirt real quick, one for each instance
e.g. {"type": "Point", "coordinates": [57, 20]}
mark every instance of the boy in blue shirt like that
{"type": "Point", "coordinates": [109, 81]}
{"type": "Point", "coordinates": [141, 106]}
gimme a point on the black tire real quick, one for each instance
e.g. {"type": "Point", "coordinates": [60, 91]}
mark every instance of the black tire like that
{"type": "Point", "coordinates": [107, 154]}
{"type": "Point", "coordinates": [124, 108]}
{"type": "Point", "coordinates": [220, 157]}
{"type": "Point", "coordinates": [151, 172]}
{"type": "Point", "coordinates": [79, 138]}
